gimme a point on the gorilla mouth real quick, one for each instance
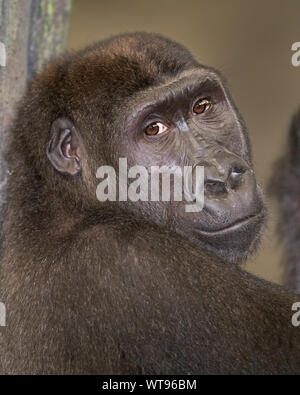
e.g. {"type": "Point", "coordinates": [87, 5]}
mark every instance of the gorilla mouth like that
{"type": "Point", "coordinates": [248, 220]}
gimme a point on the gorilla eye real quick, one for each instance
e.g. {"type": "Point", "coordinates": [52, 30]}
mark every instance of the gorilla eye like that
{"type": "Point", "coordinates": [202, 105]}
{"type": "Point", "coordinates": [155, 128]}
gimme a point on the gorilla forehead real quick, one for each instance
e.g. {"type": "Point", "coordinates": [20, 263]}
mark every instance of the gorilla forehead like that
{"type": "Point", "coordinates": [156, 53]}
{"type": "Point", "coordinates": [130, 62]}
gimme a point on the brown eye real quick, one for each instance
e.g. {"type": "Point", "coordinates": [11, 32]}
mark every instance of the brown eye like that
{"type": "Point", "coordinates": [202, 105]}
{"type": "Point", "coordinates": [155, 128]}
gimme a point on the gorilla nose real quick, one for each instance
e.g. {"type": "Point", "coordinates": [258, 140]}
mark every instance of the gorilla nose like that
{"type": "Point", "coordinates": [222, 178]}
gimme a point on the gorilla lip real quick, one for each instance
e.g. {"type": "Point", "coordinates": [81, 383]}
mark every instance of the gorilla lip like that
{"type": "Point", "coordinates": [235, 225]}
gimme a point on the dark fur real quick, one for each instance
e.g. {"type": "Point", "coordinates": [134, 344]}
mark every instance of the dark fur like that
{"type": "Point", "coordinates": [285, 186]}
{"type": "Point", "coordinates": [91, 290]}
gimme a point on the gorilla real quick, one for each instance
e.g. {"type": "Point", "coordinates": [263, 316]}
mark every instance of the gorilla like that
{"type": "Point", "coordinates": [285, 187]}
{"type": "Point", "coordinates": [135, 287]}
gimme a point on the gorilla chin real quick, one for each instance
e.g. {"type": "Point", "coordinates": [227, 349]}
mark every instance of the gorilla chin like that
{"type": "Point", "coordinates": [231, 221]}
{"type": "Point", "coordinates": [235, 242]}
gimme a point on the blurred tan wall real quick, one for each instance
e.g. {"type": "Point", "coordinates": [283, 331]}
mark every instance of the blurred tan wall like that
{"type": "Point", "coordinates": [250, 42]}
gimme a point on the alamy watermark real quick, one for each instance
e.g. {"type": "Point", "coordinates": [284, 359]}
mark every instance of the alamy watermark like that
{"type": "Point", "coordinates": [2, 64]}
{"type": "Point", "coordinates": [296, 316]}
{"type": "Point", "coordinates": [296, 56]}
{"type": "Point", "coordinates": [2, 314]}
{"type": "Point", "coordinates": [159, 183]}
{"type": "Point", "coordinates": [2, 55]}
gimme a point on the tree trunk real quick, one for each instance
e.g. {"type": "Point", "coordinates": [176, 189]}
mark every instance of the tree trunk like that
{"type": "Point", "coordinates": [31, 32]}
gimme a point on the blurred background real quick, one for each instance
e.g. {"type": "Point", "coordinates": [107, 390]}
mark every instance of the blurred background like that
{"type": "Point", "coordinates": [250, 42]}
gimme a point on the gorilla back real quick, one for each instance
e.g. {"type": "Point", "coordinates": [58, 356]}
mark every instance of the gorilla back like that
{"type": "Point", "coordinates": [135, 286]}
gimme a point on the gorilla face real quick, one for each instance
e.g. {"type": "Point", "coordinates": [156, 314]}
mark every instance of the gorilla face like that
{"type": "Point", "coordinates": [192, 121]}
{"type": "Point", "coordinates": [146, 99]}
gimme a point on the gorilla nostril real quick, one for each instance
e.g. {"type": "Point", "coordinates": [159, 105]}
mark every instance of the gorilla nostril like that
{"type": "Point", "coordinates": [215, 187]}
{"type": "Point", "coordinates": [239, 170]}
{"type": "Point", "coordinates": [236, 176]}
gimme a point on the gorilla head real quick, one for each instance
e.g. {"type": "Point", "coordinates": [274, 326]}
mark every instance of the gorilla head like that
{"type": "Point", "coordinates": [145, 98]}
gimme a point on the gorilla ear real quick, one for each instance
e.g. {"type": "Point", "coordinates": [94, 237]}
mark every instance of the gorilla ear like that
{"type": "Point", "coordinates": [64, 148]}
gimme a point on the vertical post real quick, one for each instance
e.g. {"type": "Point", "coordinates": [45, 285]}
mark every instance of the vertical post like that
{"type": "Point", "coordinates": [31, 32]}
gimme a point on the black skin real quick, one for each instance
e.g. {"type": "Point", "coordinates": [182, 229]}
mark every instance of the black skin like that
{"type": "Point", "coordinates": [285, 187]}
{"type": "Point", "coordinates": [230, 223]}
{"type": "Point", "coordinates": [127, 287]}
